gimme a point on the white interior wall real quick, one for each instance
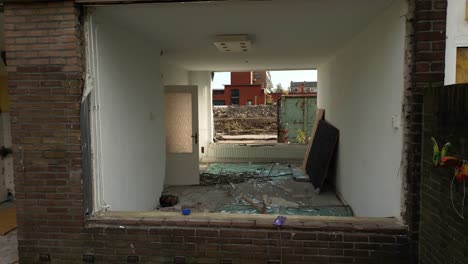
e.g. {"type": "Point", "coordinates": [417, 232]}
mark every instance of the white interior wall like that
{"type": "Point", "coordinates": [457, 36]}
{"type": "Point", "coordinates": [203, 80]}
{"type": "Point", "coordinates": [361, 89]}
{"type": "Point", "coordinates": [173, 75]}
{"type": "Point", "coordinates": [131, 114]}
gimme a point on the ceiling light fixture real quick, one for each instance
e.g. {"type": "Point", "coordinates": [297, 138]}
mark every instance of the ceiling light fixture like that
{"type": "Point", "coordinates": [233, 43]}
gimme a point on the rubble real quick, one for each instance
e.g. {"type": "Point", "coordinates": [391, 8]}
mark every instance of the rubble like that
{"type": "Point", "coordinates": [238, 173]}
{"type": "Point", "coordinates": [254, 188]}
{"type": "Point", "coordinates": [257, 111]}
{"type": "Point", "coordinates": [237, 120]}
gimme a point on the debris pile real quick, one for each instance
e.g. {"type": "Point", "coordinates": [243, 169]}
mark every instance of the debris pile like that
{"type": "Point", "coordinates": [238, 120]}
{"type": "Point", "coordinates": [254, 188]}
{"type": "Point", "coordinates": [258, 111]}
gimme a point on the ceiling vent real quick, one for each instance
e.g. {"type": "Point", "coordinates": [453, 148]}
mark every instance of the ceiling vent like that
{"type": "Point", "coordinates": [233, 43]}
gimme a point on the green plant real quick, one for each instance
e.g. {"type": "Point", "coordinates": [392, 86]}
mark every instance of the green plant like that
{"type": "Point", "coordinates": [301, 136]}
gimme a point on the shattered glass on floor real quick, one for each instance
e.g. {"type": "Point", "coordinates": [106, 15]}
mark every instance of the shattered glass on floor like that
{"type": "Point", "coordinates": [217, 173]}
{"type": "Point", "coordinates": [248, 188]}
{"type": "Point", "coordinates": [254, 169]}
{"type": "Point", "coordinates": [343, 210]}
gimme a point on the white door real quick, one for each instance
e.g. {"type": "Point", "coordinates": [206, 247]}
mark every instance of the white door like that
{"type": "Point", "coordinates": [181, 118]}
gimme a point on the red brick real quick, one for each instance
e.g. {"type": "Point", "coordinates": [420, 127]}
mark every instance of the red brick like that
{"type": "Point", "coordinates": [438, 46]}
{"type": "Point", "coordinates": [423, 26]}
{"type": "Point", "coordinates": [422, 67]}
{"type": "Point", "coordinates": [438, 67]}
{"type": "Point", "coordinates": [431, 15]}
{"type": "Point", "coordinates": [424, 5]}
{"type": "Point", "coordinates": [430, 36]}
{"type": "Point", "coordinates": [440, 5]}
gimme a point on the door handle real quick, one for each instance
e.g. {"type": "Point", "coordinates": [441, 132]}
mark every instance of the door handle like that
{"type": "Point", "coordinates": [195, 137]}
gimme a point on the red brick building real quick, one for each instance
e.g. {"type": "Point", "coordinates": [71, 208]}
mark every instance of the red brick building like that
{"type": "Point", "coordinates": [241, 91]}
{"type": "Point", "coordinates": [275, 96]}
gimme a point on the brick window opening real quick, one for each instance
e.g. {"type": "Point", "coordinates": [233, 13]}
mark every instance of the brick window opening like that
{"type": "Point", "coordinates": [129, 158]}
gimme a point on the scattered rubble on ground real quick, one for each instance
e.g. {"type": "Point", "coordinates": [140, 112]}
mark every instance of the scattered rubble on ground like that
{"type": "Point", "coordinates": [220, 173]}
{"type": "Point", "coordinates": [236, 188]}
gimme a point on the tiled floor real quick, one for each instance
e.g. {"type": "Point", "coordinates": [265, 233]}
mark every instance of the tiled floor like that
{"type": "Point", "coordinates": [8, 244]}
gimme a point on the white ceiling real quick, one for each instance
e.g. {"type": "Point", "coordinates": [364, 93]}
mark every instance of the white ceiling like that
{"type": "Point", "coordinates": [286, 34]}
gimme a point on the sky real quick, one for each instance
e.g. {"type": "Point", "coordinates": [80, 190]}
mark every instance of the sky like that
{"type": "Point", "coordinates": [283, 77]}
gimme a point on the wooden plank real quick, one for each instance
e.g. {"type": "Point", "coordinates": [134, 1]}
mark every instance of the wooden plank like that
{"type": "Point", "coordinates": [8, 223]}
{"type": "Point", "coordinates": [462, 65]}
{"type": "Point", "coordinates": [4, 97]}
{"type": "Point", "coordinates": [102, 2]}
{"type": "Point", "coordinates": [321, 153]}
{"type": "Point", "coordinates": [99, 2]}
{"type": "Point", "coordinates": [318, 116]}
{"type": "Point", "coordinates": [260, 209]}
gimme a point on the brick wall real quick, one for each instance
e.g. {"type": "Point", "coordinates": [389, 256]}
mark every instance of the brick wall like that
{"type": "Point", "coordinates": [246, 241]}
{"type": "Point", "coordinates": [253, 93]}
{"type": "Point", "coordinates": [444, 235]}
{"type": "Point", "coordinates": [44, 77]}
{"type": "Point", "coordinates": [241, 78]}
{"type": "Point", "coordinates": [426, 59]}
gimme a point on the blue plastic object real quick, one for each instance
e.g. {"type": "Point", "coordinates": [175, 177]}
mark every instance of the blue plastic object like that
{"type": "Point", "coordinates": [279, 221]}
{"type": "Point", "coordinates": [186, 211]}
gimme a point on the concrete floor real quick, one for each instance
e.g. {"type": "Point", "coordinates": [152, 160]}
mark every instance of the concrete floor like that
{"type": "Point", "coordinates": [279, 194]}
{"type": "Point", "coordinates": [8, 243]}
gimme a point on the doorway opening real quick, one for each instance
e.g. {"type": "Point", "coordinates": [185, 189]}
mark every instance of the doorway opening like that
{"type": "Point", "coordinates": [265, 113]}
